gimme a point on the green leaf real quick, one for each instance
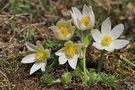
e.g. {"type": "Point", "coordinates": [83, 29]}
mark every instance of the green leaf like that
{"type": "Point", "coordinates": [66, 78]}
{"type": "Point", "coordinates": [110, 80]}
{"type": "Point", "coordinates": [47, 78]}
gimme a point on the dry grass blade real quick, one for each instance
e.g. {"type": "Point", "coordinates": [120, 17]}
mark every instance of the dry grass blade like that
{"type": "Point", "coordinates": [7, 80]}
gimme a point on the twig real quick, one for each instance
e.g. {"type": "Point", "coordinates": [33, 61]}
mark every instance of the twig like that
{"type": "Point", "coordinates": [7, 79]}
{"type": "Point", "coordinates": [127, 61]}
{"type": "Point", "coordinates": [17, 15]}
{"type": "Point", "coordinates": [33, 25]}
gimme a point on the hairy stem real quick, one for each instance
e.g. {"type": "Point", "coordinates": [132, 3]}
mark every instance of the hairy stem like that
{"type": "Point", "coordinates": [100, 62]}
{"type": "Point", "coordinates": [84, 63]}
{"type": "Point", "coordinates": [86, 37]}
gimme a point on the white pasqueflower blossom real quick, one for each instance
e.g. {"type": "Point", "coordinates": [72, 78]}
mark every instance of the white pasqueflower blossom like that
{"type": "Point", "coordinates": [84, 20]}
{"type": "Point", "coordinates": [63, 30]}
{"type": "Point", "coordinates": [107, 39]}
{"type": "Point", "coordinates": [38, 57]}
{"type": "Point", "coordinates": [70, 52]}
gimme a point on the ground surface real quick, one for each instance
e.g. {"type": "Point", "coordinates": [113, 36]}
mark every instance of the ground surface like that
{"type": "Point", "coordinates": [28, 20]}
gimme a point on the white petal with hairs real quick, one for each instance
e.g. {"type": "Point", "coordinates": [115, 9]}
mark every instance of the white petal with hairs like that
{"type": "Point", "coordinates": [73, 62]}
{"type": "Point", "coordinates": [107, 39]}
{"type": "Point", "coordinates": [28, 59]}
{"type": "Point", "coordinates": [35, 67]}
{"type": "Point", "coordinates": [62, 59]}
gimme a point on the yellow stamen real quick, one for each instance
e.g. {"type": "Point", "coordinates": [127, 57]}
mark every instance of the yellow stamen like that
{"type": "Point", "coordinates": [70, 52]}
{"type": "Point", "coordinates": [41, 56]}
{"type": "Point", "coordinates": [106, 40]}
{"type": "Point", "coordinates": [64, 31]}
{"type": "Point", "coordinates": [71, 49]}
{"type": "Point", "coordinates": [85, 20]}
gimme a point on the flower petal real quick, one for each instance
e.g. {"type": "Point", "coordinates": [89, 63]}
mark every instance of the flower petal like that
{"type": "Point", "coordinates": [43, 66]}
{"type": "Point", "coordinates": [31, 47]}
{"type": "Point", "coordinates": [118, 44]}
{"type": "Point", "coordinates": [106, 27]}
{"type": "Point", "coordinates": [85, 10]}
{"type": "Point", "coordinates": [35, 67]}
{"type": "Point", "coordinates": [28, 59]}
{"type": "Point", "coordinates": [71, 29]}
{"type": "Point", "coordinates": [92, 16]}
{"type": "Point", "coordinates": [62, 59]}
{"type": "Point", "coordinates": [80, 25]}
{"type": "Point", "coordinates": [59, 53]}
{"type": "Point", "coordinates": [76, 12]}
{"type": "Point", "coordinates": [53, 28]}
{"type": "Point", "coordinates": [74, 19]}
{"type": "Point", "coordinates": [38, 43]}
{"type": "Point", "coordinates": [73, 62]}
{"type": "Point", "coordinates": [98, 45]}
{"type": "Point", "coordinates": [57, 32]}
{"type": "Point", "coordinates": [96, 35]}
{"type": "Point", "coordinates": [61, 23]}
{"type": "Point", "coordinates": [117, 31]}
{"type": "Point", "coordinates": [88, 12]}
{"type": "Point", "coordinates": [109, 49]}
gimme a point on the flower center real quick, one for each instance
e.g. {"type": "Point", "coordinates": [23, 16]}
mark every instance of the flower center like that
{"type": "Point", "coordinates": [41, 56]}
{"type": "Point", "coordinates": [70, 51]}
{"type": "Point", "coordinates": [85, 20]}
{"type": "Point", "coordinates": [64, 31]}
{"type": "Point", "coordinates": [106, 40]}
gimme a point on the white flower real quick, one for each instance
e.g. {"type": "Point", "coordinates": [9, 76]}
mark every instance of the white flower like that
{"type": "Point", "coordinates": [70, 52]}
{"type": "Point", "coordinates": [107, 39]}
{"type": "Point", "coordinates": [63, 30]}
{"type": "Point", "coordinates": [84, 20]}
{"type": "Point", "coordinates": [39, 56]}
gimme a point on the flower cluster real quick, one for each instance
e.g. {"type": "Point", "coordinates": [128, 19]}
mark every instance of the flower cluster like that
{"type": "Point", "coordinates": [84, 21]}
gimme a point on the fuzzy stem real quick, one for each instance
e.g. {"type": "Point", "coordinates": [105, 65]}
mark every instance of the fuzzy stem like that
{"type": "Point", "coordinates": [84, 64]}
{"type": "Point", "coordinates": [100, 62]}
{"type": "Point", "coordinates": [86, 38]}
